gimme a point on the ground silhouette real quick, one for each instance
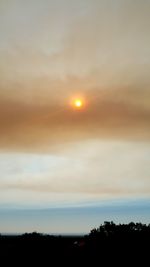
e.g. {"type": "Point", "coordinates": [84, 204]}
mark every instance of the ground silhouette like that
{"type": "Point", "coordinates": [121, 244]}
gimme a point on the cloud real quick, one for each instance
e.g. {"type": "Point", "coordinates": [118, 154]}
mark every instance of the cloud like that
{"type": "Point", "coordinates": [98, 49]}
{"type": "Point", "coordinates": [94, 170]}
{"type": "Point", "coordinates": [27, 124]}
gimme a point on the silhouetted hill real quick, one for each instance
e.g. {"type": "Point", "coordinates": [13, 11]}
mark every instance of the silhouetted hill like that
{"type": "Point", "coordinates": [109, 243]}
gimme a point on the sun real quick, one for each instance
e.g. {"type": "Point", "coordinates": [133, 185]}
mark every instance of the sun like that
{"type": "Point", "coordinates": [78, 103]}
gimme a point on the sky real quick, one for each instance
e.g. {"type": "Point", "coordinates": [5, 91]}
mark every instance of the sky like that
{"type": "Point", "coordinates": [65, 170]}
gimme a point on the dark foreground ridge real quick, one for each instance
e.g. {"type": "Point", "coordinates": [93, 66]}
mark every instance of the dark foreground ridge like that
{"type": "Point", "coordinates": [122, 244]}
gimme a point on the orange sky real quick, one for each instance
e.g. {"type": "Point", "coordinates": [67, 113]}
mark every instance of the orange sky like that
{"type": "Point", "coordinates": [52, 52]}
{"type": "Point", "coordinates": [98, 50]}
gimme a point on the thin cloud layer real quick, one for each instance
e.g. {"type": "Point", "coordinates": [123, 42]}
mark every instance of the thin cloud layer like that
{"type": "Point", "coordinates": [89, 170]}
{"type": "Point", "coordinates": [112, 114]}
{"type": "Point", "coordinates": [96, 49]}
{"type": "Point", "coordinates": [53, 51]}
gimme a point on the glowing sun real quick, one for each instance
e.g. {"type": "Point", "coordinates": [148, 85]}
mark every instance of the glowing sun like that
{"type": "Point", "coordinates": [78, 103]}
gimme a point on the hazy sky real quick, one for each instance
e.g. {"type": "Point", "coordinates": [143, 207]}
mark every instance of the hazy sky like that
{"type": "Point", "coordinates": [51, 155]}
